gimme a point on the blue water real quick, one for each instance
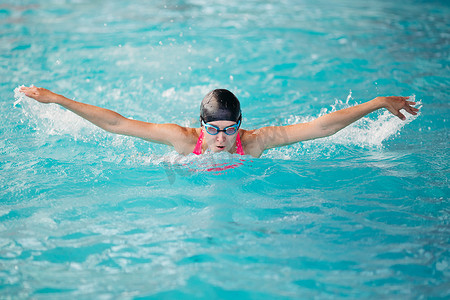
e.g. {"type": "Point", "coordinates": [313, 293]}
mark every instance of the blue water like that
{"type": "Point", "coordinates": [87, 214]}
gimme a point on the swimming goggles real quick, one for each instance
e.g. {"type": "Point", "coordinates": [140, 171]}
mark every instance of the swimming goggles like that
{"type": "Point", "coordinates": [214, 130]}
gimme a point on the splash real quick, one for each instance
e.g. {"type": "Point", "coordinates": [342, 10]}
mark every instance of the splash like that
{"type": "Point", "coordinates": [51, 119]}
{"type": "Point", "coordinates": [179, 166]}
{"type": "Point", "coordinates": [368, 132]}
{"type": "Point", "coordinates": [207, 162]}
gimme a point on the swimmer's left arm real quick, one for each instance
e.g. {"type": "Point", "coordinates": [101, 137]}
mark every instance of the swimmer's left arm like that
{"type": "Point", "coordinates": [331, 123]}
{"type": "Point", "coordinates": [326, 125]}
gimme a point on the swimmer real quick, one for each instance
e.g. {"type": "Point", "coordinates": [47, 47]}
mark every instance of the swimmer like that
{"type": "Point", "coordinates": [221, 120]}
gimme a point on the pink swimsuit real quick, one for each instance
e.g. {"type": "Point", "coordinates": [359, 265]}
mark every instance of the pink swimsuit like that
{"type": "Point", "coordinates": [198, 147]}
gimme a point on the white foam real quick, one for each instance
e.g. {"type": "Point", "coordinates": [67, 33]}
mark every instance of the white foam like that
{"type": "Point", "coordinates": [51, 118]}
{"type": "Point", "coordinates": [370, 131]}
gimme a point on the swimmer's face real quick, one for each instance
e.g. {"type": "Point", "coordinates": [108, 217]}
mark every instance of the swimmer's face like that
{"type": "Point", "coordinates": [221, 141]}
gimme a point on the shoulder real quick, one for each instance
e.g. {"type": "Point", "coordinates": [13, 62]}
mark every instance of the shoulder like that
{"type": "Point", "coordinates": [183, 139]}
{"type": "Point", "coordinates": [256, 141]}
{"type": "Point", "coordinates": [252, 141]}
{"type": "Point", "coordinates": [257, 136]}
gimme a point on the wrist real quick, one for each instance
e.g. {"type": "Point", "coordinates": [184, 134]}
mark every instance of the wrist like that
{"type": "Point", "coordinates": [58, 99]}
{"type": "Point", "coordinates": [379, 102]}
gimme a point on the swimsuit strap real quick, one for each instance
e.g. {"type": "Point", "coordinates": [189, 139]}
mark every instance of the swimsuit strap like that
{"type": "Point", "coordinates": [239, 149]}
{"type": "Point", "coordinates": [198, 146]}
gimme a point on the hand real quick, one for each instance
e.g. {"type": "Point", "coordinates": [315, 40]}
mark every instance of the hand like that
{"type": "Point", "coordinates": [395, 104]}
{"type": "Point", "coordinates": [39, 94]}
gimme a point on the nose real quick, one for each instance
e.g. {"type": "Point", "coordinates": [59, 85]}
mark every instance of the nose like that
{"type": "Point", "coordinates": [221, 137]}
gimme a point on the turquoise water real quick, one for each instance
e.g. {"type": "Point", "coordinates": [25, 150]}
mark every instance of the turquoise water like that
{"type": "Point", "coordinates": [362, 214]}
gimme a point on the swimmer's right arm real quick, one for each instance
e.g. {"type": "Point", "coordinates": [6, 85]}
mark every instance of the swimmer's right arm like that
{"type": "Point", "coordinates": [103, 118]}
{"type": "Point", "coordinates": [169, 134]}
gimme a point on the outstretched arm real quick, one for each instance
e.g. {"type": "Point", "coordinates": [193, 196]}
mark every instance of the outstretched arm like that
{"type": "Point", "coordinates": [169, 134]}
{"type": "Point", "coordinates": [331, 123]}
{"type": "Point", "coordinates": [326, 125]}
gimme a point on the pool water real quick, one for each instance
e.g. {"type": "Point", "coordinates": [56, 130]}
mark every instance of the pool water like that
{"type": "Point", "coordinates": [91, 215]}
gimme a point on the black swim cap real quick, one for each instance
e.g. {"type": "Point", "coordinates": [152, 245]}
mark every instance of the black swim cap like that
{"type": "Point", "coordinates": [220, 105]}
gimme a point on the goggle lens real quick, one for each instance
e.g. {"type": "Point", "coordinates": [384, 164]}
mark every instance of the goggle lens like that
{"type": "Point", "coordinates": [230, 130]}
{"type": "Point", "coordinates": [211, 130]}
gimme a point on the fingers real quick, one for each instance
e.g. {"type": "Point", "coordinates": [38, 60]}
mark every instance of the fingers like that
{"type": "Point", "coordinates": [401, 116]}
{"type": "Point", "coordinates": [407, 106]}
{"type": "Point", "coordinates": [28, 90]}
{"type": "Point", "coordinates": [411, 110]}
{"type": "Point", "coordinates": [397, 103]}
{"type": "Point", "coordinates": [400, 98]}
{"type": "Point", "coordinates": [23, 88]}
{"type": "Point", "coordinates": [32, 91]}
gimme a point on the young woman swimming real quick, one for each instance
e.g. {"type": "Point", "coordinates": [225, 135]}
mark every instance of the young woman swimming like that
{"type": "Point", "coordinates": [221, 118]}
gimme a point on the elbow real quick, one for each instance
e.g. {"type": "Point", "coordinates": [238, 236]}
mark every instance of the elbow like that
{"type": "Point", "coordinates": [329, 131]}
{"type": "Point", "coordinates": [320, 129]}
{"type": "Point", "coordinates": [326, 129]}
{"type": "Point", "coordinates": [116, 125]}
